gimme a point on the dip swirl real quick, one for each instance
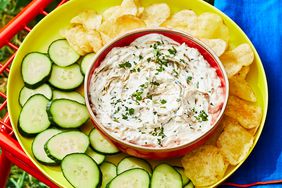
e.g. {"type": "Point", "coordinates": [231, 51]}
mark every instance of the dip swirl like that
{"type": "Point", "coordinates": [156, 93]}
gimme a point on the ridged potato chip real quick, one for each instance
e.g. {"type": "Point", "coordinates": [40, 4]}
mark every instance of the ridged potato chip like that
{"type": "Point", "coordinates": [127, 7]}
{"type": "Point", "coordinates": [217, 45]}
{"type": "Point", "coordinates": [155, 14]}
{"type": "Point", "coordinates": [121, 25]}
{"type": "Point", "coordinates": [105, 38]}
{"type": "Point", "coordinates": [83, 41]}
{"type": "Point", "coordinates": [205, 165]}
{"type": "Point", "coordinates": [90, 20]}
{"type": "Point", "coordinates": [241, 88]}
{"type": "Point", "coordinates": [211, 26]}
{"type": "Point", "coordinates": [242, 74]}
{"type": "Point", "coordinates": [184, 20]}
{"type": "Point", "coordinates": [234, 142]}
{"type": "Point", "coordinates": [235, 59]}
{"type": "Point", "coordinates": [248, 114]}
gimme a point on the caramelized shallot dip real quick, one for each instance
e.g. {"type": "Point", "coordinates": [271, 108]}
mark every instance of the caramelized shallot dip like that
{"type": "Point", "coordinates": [156, 93]}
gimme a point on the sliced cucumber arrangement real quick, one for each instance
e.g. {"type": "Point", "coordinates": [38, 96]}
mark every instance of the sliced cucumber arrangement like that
{"type": "Point", "coordinates": [33, 117]}
{"type": "Point", "coordinates": [38, 146]}
{"type": "Point", "coordinates": [67, 113]}
{"type": "Point", "coordinates": [184, 178]}
{"type": "Point", "coordinates": [98, 157]}
{"type": "Point", "coordinates": [86, 62]}
{"type": "Point", "coordinates": [100, 144]}
{"type": "Point", "coordinates": [133, 162]}
{"type": "Point", "coordinates": [62, 54]}
{"type": "Point", "coordinates": [58, 103]}
{"type": "Point", "coordinates": [81, 171]}
{"type": "Point", "coordinates": [165, 175]}
{"type": "Point", "coordinates": [72, 95]}
{"type": "Point", "coordinates": [137, 178]}
{"type": "Point", "coordinates": [66, 143]}
{"type": "Point", "coordinates": [66, 78]}
{"type": "Point", "coordinates": [109, 171]}
{"type": "Point", "coordinates": [26, 93]}
{"type": "Point", "coordinates": [36, 69]}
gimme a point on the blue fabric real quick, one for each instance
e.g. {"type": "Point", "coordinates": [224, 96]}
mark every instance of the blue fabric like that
{"type": "Point", "coordinates": [261, 20]}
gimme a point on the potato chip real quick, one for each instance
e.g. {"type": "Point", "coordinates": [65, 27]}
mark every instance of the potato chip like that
{"type": "Point", "coordinates": [234, 142]}
{"type": "Point", "coordinates": [121, 25]}
{"type": "Point", "coordinates": [90, 20]}
{"type": "Point", "coordinates": [211, 26]}
{"type": "Point", "coordinates": [184, 20]}
{"type": "Point", "coordinates": [83, 41]}
{"type": "Point", "coordinates": [127, 7]}
{"type": "Point", "coordinates": [248, 114]}
{"type": "Point", "coordinates": [105, 38]}
{"type": "Point", "coordinates": [156, 14]}
{"type": "Point", "coordinates": [95, 40]}
{"type": "Point", "coordinates": [241, 88]}
{"type": "Point", "coordinates": [235, 59]}
{"type": "Point", "coordinates": [242, 74]}
{"type": "Point", "coordinates": [204, 166]}
{"type": "Point", "coordinates": [217, 45]}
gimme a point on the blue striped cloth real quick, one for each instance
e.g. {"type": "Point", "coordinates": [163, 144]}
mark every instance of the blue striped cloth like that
{"type": "Point", "coordinates": [261, 20]}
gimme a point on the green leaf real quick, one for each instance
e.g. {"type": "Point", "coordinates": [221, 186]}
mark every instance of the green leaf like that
{"type": "Point", "coordinates": [4, 4]}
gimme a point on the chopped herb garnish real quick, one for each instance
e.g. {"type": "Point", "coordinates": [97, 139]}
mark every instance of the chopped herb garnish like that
{"type": "Point", "coordinates": [140, 57]}
{"type": "Point", "coordinates": [155, 83]}
{"type": "Point", "coordinates": [175, 72]}
{"type": "Point", "coordinates": [159, 142]}
{"type": "Point", "coordinates": [161, 69]}
{"type": "Point", "coordinates": [172, 51]}
{"type": "Point", "coordinates": [124, 116]}
{"type": "Point", "coordinates": [117, 110]}
{"type": "Point", "coordinates": [189, 78]}
{"type": "Point", "coordinates": [182, 60]}
{"type": "Point", "coordinates": [137, 95]}
{"type": "Point", "coordinates": [155, 113]}
{"type": "Point", "coordinates": [163, 101]}
{"type": "Point", "coordinates": [125, 65]}
{"type": "Point", "coordinates": [131, 111]}
{"type": "Point", "coordinates": [116, 120]}
{"type": "Point", "coordinates": [197, 84]}
{"type": "Point", "coordinates": [150, 97]}
{"type": "Point", "coordinates": [202, 116]}
{"type": "Point", "coordinates": [149, 59]}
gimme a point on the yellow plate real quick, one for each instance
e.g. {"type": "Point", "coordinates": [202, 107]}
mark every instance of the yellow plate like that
{"type": "Point", "coordinates": [49, 29]}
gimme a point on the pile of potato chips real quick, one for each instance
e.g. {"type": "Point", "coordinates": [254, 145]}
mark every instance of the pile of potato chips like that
{"type": "Point", "coordinates": [206, 165]}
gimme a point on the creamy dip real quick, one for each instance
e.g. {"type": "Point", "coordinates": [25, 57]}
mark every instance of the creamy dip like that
{"type": "Point", "coordinates": [156, 92]}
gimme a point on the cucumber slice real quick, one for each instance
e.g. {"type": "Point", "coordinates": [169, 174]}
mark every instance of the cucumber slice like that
{"type": "Point", "coordinates": [62, 144]}
{"type": "Point", "coordinates": [66, 78]}
{"type": "Point", "coordinates": [36, 69]}
{"type": "Point", "coordinates": [33, 117]}
{"type": "Point", "coordinates": [137, 178]}
{"type": "Point", "coordinates": [62, 54]}
{"type": "Point", "coordinates": [81, 171]}
{"type": "Point", "coordinates": [100, 144]}
{"type": "Point", "coordinates": [165, 175]}
{"type": "Point", "coordinates": [97, 157]}
{"type": "Point", "coordinates": [132, 162]}
{"type": "Point", "coordinates": [86, 62]}
{"type": "Point", "coordinates": [109, 172]}
{"type": "Point", "coordinates": [38, 146]}
{"type": "Point", "coordinates": [67, 113]}
{"type": "Point", "coordinates": [26, 93]}
{"type": "Point", "coordinates": [189, 185]}
{"type": "Point", "coordinates": [72, 95]}
{"type": "Point", "coordinates": [180, 170]}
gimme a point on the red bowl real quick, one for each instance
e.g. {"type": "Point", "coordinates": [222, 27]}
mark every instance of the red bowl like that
{"type": "Point", "coordinates": [157, 153]}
